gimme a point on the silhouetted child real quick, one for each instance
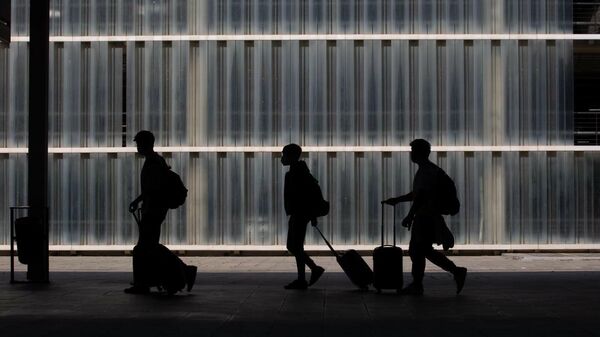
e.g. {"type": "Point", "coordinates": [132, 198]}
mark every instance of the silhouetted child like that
{"type": "Point", "coordinates": [154, 210]}
{"type": "Point", "coordinates": [426, 220]}
{"type": "Point", "coordinates": [297, 202]}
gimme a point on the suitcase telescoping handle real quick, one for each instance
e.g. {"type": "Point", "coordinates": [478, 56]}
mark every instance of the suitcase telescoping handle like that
{"type": "Point", "coordinates": [327, 242]}
{"type": "Point", "coordinates": [383, 225]}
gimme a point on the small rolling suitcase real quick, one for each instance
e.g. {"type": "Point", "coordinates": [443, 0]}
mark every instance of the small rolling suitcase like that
{"type": "Point", "coordinates": [355, 267]}
{"type": "Point", "coordinates": [387, 261]}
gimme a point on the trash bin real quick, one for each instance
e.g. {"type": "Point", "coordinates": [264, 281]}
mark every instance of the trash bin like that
{"type": "Point", "coordinates": [30, 239]}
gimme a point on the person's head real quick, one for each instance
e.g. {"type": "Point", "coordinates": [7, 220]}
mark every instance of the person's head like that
{"type": "Point", "coordinates": [145, 142]}
{"type": "Point", "coordinates": [290, 154]}
{"type": "Point", "coordinates": [419, 151]}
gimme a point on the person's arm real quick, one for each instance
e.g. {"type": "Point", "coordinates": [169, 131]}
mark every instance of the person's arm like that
{"type": "Point", "coordinates": [416, 205]}
{"type": "Point", "coordinates": [402, 198]}
{"type": "Point", "coordinates": [408, 219]}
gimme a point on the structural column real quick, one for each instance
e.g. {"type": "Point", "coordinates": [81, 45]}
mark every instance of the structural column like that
{"type": "Point", "coordinates": [37, 158]}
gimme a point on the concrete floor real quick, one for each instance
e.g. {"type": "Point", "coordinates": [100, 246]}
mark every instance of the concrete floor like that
{"type": "Point", "coordinates": [509, 295]}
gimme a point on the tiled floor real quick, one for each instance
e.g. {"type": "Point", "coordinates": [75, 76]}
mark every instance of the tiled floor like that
{"type": "Point", "coordinates": [510, 295]}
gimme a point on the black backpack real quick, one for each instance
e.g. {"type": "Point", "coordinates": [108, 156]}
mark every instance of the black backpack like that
{"type": "Point", "coordinates": [175, 191]}
{"type": "Point", "coordinates": [319, 206]}
{"type": "Point", "coordinates": [448, 202]}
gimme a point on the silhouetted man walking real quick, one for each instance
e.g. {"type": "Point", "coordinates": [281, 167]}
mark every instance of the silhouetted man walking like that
{"type": "Point", "coordinates": [426, 220]}
{"type": "Point", "coordinates": [154, 211]}
{"type": "Point", "coordinates": [297, 203]}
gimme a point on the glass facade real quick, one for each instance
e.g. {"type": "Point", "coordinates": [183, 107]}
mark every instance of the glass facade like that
{"type": "Point", "coordinates": [225, 84]}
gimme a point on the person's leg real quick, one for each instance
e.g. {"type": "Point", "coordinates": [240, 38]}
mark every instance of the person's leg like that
{"type": "Point", "coordinates": [460, 273]}
{"type": "Point", "coordinates": [441, 234]}
{"type": "Point", "coordinates": [417, 250]}
{"type": "Point", "coordinates": [295, 242]}
{"type": "Point", "coordinates": [417, 257]}
{"type": "Point", "coordinates": [140, 272]}
{"type": "Point", "coordinates": [440, 260]}
{"type": "Point", "coordinates": [300, 237]}
{"type": "Point", "coordinates": [302, 258]}
{"type": "Point", "coordinates": [152, 219]}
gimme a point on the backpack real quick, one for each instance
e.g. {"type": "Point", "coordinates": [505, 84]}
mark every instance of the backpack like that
{"type": "Point", "coordinates": [319, 206]}
{"type": "Point", "coordinates": [175, 191]}
{"type": "Point", "coordinates": [448, 200]}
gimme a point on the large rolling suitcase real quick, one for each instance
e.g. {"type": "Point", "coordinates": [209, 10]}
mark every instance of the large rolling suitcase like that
{"type": "Point", "coordinates": [159, 267]}
{"type": "Point", "coordinates": [355, 267]}
{"type": "Point", "coordinates": [387, 261]}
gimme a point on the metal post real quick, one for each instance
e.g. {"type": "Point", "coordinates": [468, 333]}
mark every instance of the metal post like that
{"type": "Point", "coordinates": [37, 158]}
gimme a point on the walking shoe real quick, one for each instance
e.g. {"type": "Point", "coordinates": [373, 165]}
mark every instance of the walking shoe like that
{"type": "Point", "coordinates": [412, 289]}
{"type": "Point", "coordinates": [459, 276]}
{"type": "Point", "coordinates": [315, 275]}
{"type": "Point", "coordinates": [190, 276]}
{"type": "Point", "coordinates": [137, 290]}
{"type": "Point", "coordinates": [297, 284]}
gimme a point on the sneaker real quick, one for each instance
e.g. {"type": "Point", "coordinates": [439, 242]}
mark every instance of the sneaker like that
{"type": "Point", "coordinates": [297, 284]}
{"type": "Point", "coordinates": [137, 290]}
{"type": "Point", "coordinates": [190, 276]}
{"type": "Point", "coordinates": [412, 289]}
{"type": "Point", "coordinates": [315, 275]}
{"type": "Point", "coordinates": [459, 276]}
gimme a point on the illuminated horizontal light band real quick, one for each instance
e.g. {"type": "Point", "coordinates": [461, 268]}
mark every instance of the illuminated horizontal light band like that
{"type": "Point", "coordinates": [313, 149]}
{"type": "Point", "coordinates": [312, 37]}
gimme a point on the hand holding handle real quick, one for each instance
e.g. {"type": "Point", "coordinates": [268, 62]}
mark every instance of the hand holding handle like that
{"type": "Point", "coordinates": [390, 201]}
{"type": "Point", "coordinates": [407, 221]}
{"type": "Point", "coordinates": [133, 206]}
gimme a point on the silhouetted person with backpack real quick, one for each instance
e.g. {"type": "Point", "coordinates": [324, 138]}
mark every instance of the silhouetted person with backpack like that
{"type": "Point", "coordinates": [298, 202]}
{"type": "Point", "coordinates": [430, 198]}
{"type": "Point", "coordinates": [148, 254]}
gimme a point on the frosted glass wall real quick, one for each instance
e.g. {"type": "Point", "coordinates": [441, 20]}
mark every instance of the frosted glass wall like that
{"type": "Point", "coordinates": [517, 198]}
{"type": "Point", "coordinates": [163, 17]}
{"type": "Point", "coordinates": [313, 92]}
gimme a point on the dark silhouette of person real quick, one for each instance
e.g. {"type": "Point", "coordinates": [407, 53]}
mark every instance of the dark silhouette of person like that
{"type": "Point", "coordinates": [153, 213]}
{"type": "Point", "coordinates": [297, 203]}
{"type": "Point", "coordinates": [425, 220]}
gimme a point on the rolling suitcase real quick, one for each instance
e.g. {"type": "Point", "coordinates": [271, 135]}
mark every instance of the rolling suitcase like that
{"type": "Point", "coordinates": [387, 261]}
{"type": "Point", "coordinates": [355, 267]}
{"type": "Point", "coordinates": [159, 267]}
